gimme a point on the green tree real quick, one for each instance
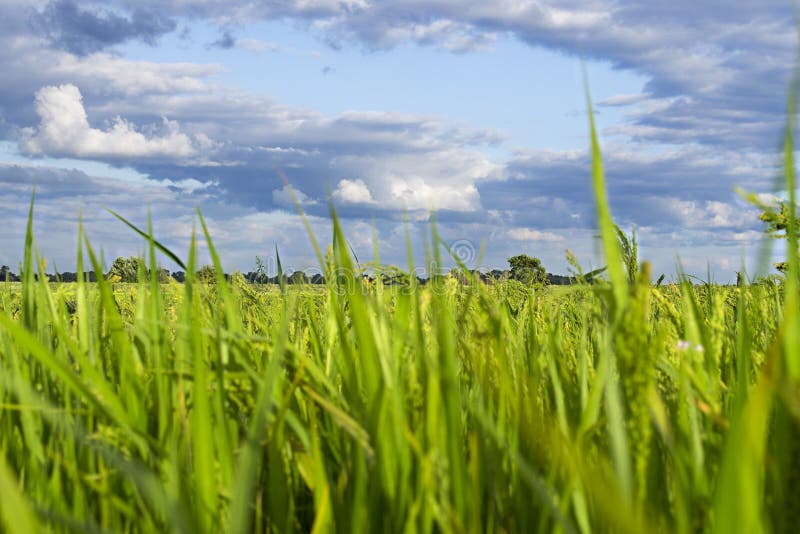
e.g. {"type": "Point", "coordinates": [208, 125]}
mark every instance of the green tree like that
{"type": "Point", "coordinates": [207, 275]}
{"type": "Point", "coordinates": [261, 271]}
{"type": "Point", "coordinates": [163, 275]}
{"type": "Point", "coordinates": [298, 277]}
{"type": "Point", "coordinates": [127, 270]}
{"type": "Point", "coordinates": [527, 270]}
{"type": "Point", "coordinates": [124, 270]}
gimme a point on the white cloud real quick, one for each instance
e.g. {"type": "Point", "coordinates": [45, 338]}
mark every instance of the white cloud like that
{"type": "Point", "coordinates": [708, 214]}
{"type": "Point", "coordinates": [416, 194]}
{"type": "Point", "coordinates": [257, 46]}
{"type": "Point", "coordinates": [188, 185]}
{"type": "Point", "coordinates": [624, 99]}
{"type": "Point", "coordinates": [449, 35]}
{"type": "Point", "coordinates": [283, 197]}
{"type": "Point", "coordinates": [123, 75]}
{"type": "Point", "coordinates": [353, 192]}
{"type": "Point", "coordinates": [529, 234]}
{"type": "Point", "coordinates": [438, 179]}
{"type": "Point", "coordinates": [64, 130]}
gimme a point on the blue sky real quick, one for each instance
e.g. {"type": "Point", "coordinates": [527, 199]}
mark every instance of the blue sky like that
{"type": "Point", "coordinates": [391, 109]}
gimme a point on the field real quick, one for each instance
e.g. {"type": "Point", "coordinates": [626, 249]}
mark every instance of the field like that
{"type": "Point", "coordinates": [220, 406]}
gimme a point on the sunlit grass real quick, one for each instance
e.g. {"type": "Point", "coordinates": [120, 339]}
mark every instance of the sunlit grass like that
{"type": "Point", "coordinates": [208, 407]}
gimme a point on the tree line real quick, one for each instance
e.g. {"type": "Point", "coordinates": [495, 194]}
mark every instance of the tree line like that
{"type": "Point", "coordinates": [523, 268]}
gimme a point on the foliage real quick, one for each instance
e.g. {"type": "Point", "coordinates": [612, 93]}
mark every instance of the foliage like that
{"type": "Point", "coordinates": [777, 222]}
{"type": "Point", "coordinates": [206, 274]}
{"type": "Point", "coordinates": [127, 270]}
{"type": "Point", "coordinates": [776, 217]}
{"type": "Point", "coordinates": [611, 407]}
{"type": "Point", "coordinates": [124, 270]}
{"type": "Point", "coordinates": [244, 408]}
{"type": "Point", "coordinates": [7, 275]}
{"type": "Point", "coordinates": [630, 253]}
{"type": "Point", "coordinates": [527, 270]}
{"type": "Point", "coordinates": [298, 277]}
{"type": "Point", "coordinates": [577, 271]}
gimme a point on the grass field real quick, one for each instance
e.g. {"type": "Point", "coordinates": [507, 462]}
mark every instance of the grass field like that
{"type": "Point", "coordinates": [210, 407]}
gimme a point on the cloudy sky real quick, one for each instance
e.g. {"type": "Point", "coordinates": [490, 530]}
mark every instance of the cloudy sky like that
{"type": "Point", "coordinates": [390, 109]}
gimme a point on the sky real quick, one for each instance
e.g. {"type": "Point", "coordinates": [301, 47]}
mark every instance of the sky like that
{"type": "Point", "coordinates": [391, 111]}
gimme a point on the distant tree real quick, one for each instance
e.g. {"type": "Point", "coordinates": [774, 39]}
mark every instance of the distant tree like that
{"type": "Point", "coordinates": [124, 270]}
{"type": "Point", "coordinates": [558, 280]}
{"type": "Point", "coordinates": [498, 275]}
{"type": "Point", "coordinates": [68, 277]}
{"type": "Point", "coordinates": [127, 270]}
{"type": "Point", "coordinates": [459, 275]}
{"type": "Point", "coordinates": [206, 274]}
{"type": "Point", "coordinates": [163, 275]}
{"type": "Point", "coordinates": [527, 270]}
{"type": "Point", "coordinates": [479, 275]}
{"type": "Point", "coordinates": [260, 274]}
{"type": "Point", "coordinates": [391, 275]}
{"type": "Point", "coordinates": [298, 277]}
{"type": "Point", "coordinates": [179, 276]}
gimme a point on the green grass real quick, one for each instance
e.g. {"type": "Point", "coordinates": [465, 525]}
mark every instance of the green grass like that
{"type": "Point", "coordinates": [224, 407]}
{"type": "Point", "coordinates": [200, 408]}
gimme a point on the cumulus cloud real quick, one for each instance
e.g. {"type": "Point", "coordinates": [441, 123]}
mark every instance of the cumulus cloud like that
{"type": "Point", "coordinates": [622, 100]}
{"type": "Point", "coordinates": [124, 76]}
{"type": "Point", "coordinates": [708, 214]}
{"type": "Point", "coordinates": [707, 119]}
{"type": "Point", "coordinates": [61, 195]}
{"type": "Point", "coordinates": [83, 30]}
{"type": "Point", "coordinates": [64, 130]}
{"type": "Point", "coordinates": [226, 41]}
{"type": "Point", "coordinates": [730, 57]}
{"type": "Point", "coordinates": [283, 197]}
{"type": "Point", "coordinates": [437, 179]}
{"type": "Point", "coordinates": [531, 234]}
{"type": "Point", "coordinates": [352, 192]}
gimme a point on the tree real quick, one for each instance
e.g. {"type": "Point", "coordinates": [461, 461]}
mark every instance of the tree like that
{"type": "Point", "coordinates": [527, 270]}
{"type": "Point", "coordinates": [207, 275]}
{"type": "Point", "coordinates": [298, 277]}
{"type": "Point", "coordinates": [127, 270]}
{"type": "Point", "coordinates": [391, 275]}
{"type": "Point", "coordinates": [124, 270]}
{"type": "Point", "coordinates": [259, 276]}
{"type": "Point", "coordinates": [163, 275]}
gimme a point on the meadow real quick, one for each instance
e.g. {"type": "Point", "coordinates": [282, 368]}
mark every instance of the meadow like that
{"type": "Point", "coordinates": [219, 406]}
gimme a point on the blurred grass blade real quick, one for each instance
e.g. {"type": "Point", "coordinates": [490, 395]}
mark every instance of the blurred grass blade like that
{"type": "Point", "coordinates": [16, 513]}
{"type": "Point", "coordinates": [149, 236]}
{"type": "Point", "coordinates": [608, 232]}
